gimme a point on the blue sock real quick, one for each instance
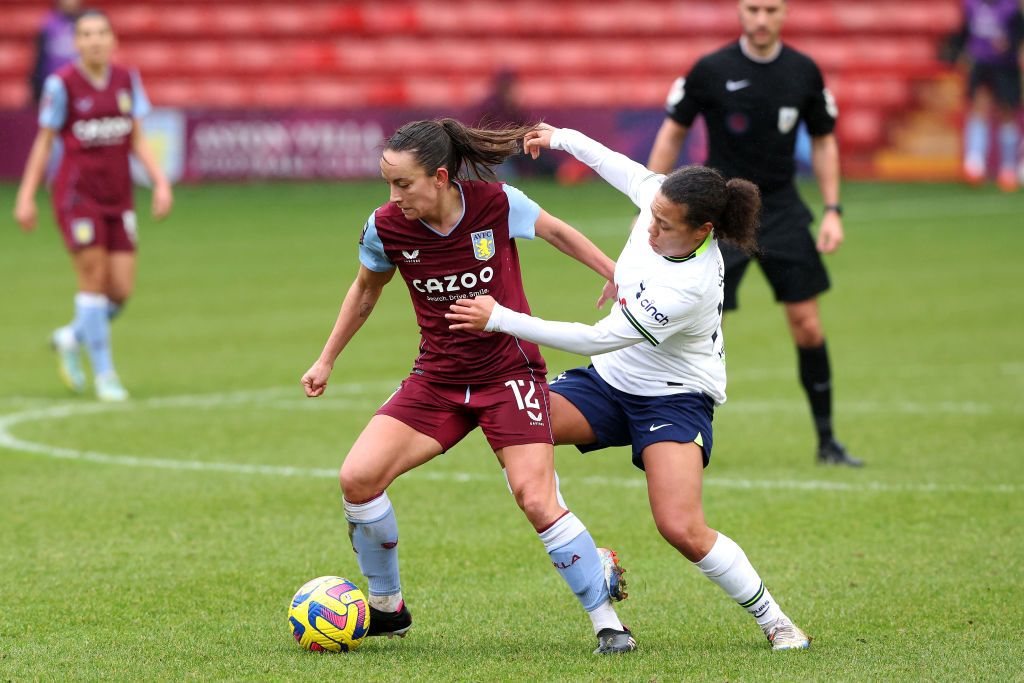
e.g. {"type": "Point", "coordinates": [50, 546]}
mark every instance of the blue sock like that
{"type": "Point", "coordinates": [374, 533]}
{"type": "Point", "coordinates": [1008, 137]}
{"type": "Point", "coordinates": [93, 328]}
{"type": "Point", "coordinates": [976, 139]}
{"type": "Point", "coordinates": [574, 555]}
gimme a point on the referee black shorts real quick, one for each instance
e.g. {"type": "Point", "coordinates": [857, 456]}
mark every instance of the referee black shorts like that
{"type": "Point", "coordinates": [786, 252]}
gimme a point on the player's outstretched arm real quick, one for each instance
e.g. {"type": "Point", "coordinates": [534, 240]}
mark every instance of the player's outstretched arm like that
{"type": "Point", "coordinates": [362, 296]}
{"type": "Point", "coordinates": [618, 170]}
{"type": "Point", "coordinates": [25, 203]}
{"type": "Point", "coordinates": [162, 195]}
{"type": "Point", "coordinates": [484, 313]}
{"type": "Point", "coordinates": [572, 242]}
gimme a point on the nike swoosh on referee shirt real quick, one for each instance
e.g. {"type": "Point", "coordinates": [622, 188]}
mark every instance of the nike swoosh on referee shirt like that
{"type": "Point", "coordinates": [733, 86]}
{"type": "Point", "coordinates": [656, 428]}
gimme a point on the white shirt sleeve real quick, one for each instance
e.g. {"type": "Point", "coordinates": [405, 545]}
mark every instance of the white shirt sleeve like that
{"type": "Point", "coordinates": [610, 334]}
{"type": "Point", "coordinates": [632, 179]}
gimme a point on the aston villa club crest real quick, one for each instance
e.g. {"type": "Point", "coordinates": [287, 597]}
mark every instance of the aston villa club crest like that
{"type": "Point", "coordinates": [82, 230]}
{"type": "Point", "coordinates": [483, 244]}
{"type": "Point", "coordinates": [787, 118]}
{"type": "Point", "coordinates": [124, 101]}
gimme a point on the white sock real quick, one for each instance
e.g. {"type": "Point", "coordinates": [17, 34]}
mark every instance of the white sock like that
{"type": "Point", "coordinates": [728, 567]}
{"type": "Point", "coordinates": [386, 603]}
{"type": "Point", "coordinates": [603, 616]}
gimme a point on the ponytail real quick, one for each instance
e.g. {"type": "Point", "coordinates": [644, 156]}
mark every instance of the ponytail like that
{"type": "Point", "coordinates": [453, 145]}
{"type": "Point", "coordinates": [733, 208]}
{"type": "Point", "coordinates": [741, 215]}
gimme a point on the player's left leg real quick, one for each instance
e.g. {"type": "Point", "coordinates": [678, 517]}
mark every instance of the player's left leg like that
{"type": "Point", "coordinates": [530, 469]}
{"type": "Point", "coordinates": [121, 270]}
{"type": "Point", "coordinates": [91, 323]}
{"type": "Point", "coordinates": [816, 377]}
{"type": "Point", "coordinates": [976, 128]}
{"type": "Point", "coordinates": [1006, 90]}
{"type": "Point", "coordinates": [674, 485]}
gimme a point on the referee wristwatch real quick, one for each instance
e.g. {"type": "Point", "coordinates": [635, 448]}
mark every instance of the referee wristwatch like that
{"type": "Point", "coordinates": [838, 208]}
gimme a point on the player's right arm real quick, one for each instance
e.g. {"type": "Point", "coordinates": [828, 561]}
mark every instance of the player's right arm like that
{"type": "Point", "coordinates": [618, 170]}
{"type": "Point", "coordinates": [362, 296]}
{"type": "Point", "coordinates": [667, 145]}
{"type": "Point", "coordinates": [53, 111]}
{"type": "Point", "coordinates": [25, 203]}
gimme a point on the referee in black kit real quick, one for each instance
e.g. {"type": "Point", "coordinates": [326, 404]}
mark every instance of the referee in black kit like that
{"type": "Point", "coordinates": [753, 93]}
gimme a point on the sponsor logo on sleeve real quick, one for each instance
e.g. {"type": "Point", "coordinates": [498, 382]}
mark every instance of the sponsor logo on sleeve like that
{"type": "Point", "coordinates": [676, 93]}
{"type": "Point", "coordinates": [483, 244]}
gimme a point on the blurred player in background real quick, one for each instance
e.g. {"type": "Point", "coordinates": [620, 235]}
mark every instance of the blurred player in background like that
{"type": "Point", "coordinates": [55, 44]}
{"type": "Point", "coordinates": [96, 107]}
{"type": "Point", "coordinates": [753, 94]}
{"type": "Point", "coordinates": [658, 365]}
{"type": "Point", "coordinates": [992, 38]}
{"type": "Point", "coordinates": [451, 238]}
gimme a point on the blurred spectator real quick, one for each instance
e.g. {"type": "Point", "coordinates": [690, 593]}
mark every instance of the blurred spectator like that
{"type": "Point", "coordinates": [991, 40]}
{"type": "Point", "coordinates": [55, 44]}
{"type": "Point", "coordinates": [502, 108]}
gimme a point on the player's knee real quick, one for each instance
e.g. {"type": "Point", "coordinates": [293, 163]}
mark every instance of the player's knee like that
{"type": "Point", "coordinates": [683, 532]}
{"type": "Point", "coordinates": [358, 485]}
{"type": "Point", "coordinates": [538, 506]}
{"type": "Point", "coordinates": [807, 332]}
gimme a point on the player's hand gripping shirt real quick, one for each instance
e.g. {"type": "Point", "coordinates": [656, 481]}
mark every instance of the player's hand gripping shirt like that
{"type": "Point", "coordinates": [477, 257]}
{"type": "Point", "coordinates": [664, 335]}
{"type": "Point", "coordinates": [752, 110]}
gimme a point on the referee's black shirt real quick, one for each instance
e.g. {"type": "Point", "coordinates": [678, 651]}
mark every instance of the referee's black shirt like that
{"type": "Point", "coordinates": [752, 111]}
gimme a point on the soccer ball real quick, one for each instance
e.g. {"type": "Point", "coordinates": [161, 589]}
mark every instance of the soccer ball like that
{"type": "Point", "coordinates": [329, 613]}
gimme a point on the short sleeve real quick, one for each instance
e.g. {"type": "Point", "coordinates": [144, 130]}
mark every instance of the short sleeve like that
{"type": "Point", "coordinates": [371, 249]}
{"type": "Point", "coordinates": [523, 213]}
{"type": "Point", "coordinates": [820, 111]}
{"type": "Point", "coordinates": [140, 102]}
{"type": "Point", "coordinates": [685, 98]}
{"type": "Point", "coordinates": [656, 312]}
{"type": "Point", "coordinates": [53, 104]}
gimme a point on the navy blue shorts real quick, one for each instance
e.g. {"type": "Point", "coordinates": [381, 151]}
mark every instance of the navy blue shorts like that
{"type": "Point", "coordinates": [621, 419]}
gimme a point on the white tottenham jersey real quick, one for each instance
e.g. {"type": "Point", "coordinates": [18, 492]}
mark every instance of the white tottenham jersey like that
{"type": "Point", "coordinates": [665, 335]}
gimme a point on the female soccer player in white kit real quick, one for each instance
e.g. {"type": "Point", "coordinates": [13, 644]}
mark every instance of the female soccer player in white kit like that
{"type": "Point", "coordinates": [658, 360]}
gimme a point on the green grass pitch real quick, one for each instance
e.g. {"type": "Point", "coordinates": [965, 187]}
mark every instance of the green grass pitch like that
{"type": "Point", "coordinates": [164, 538]}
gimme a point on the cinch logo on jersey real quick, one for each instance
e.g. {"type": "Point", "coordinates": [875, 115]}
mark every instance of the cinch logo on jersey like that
{"type": "Point", "coordinates": [110, 130]}
{"type": "Point", "coordinates": [454, 283]}
{"type": "Point", "coordinates": [652, 310]}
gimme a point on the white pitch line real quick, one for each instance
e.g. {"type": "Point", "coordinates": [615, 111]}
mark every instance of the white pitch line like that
{"type": "Point", "coordinates": [274, 398]}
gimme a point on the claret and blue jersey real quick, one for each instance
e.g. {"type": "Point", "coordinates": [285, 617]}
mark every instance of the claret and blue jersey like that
{"type": "Point", "coordinates": [477, 257]}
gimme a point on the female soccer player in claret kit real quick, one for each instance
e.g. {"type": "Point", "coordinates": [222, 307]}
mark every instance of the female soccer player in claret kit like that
{"type": "Point", "coordinates": [451, 238]}
{"type": "Point", "coordinates": [96, 107]}
{"type": "Point", "coordinates": [658, 368]}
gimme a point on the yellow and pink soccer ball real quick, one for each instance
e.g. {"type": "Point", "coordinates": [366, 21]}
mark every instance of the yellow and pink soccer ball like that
{"type": "Point", "coordinates": [329, 613]}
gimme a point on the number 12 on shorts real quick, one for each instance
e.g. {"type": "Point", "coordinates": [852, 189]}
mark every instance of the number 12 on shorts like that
{"type": "Point", "coordinates": [526, 402]}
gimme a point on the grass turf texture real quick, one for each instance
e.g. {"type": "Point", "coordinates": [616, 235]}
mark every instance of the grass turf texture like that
{"type": "Point", "coordinates": [908, 569]}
